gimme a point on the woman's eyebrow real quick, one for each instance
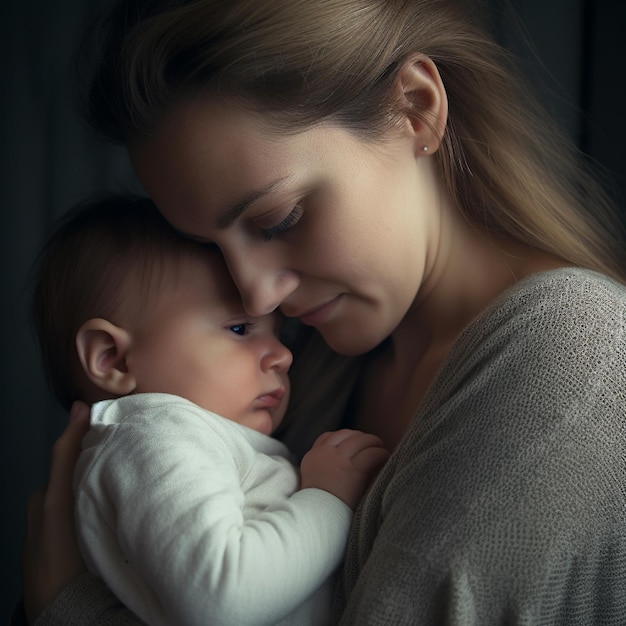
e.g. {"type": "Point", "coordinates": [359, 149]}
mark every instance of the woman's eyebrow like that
{"type": "Point", "coordinates": [229, 217]}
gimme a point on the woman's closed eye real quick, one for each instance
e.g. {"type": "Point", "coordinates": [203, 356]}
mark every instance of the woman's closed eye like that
{"type": "Point", "coordinates": [284, 225]}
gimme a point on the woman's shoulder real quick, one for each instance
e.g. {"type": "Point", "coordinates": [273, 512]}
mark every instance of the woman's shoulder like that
{"type": "Point", "coordinates": [566, 292]}
{"type": "Point", "coordinates": [545, 360]}
{"type": "Point", "coordinates": [573, 281]}
{"type": "Point", "coordinates": [569, 310]}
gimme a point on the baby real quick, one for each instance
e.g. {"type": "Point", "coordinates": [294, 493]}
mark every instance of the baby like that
{"type": "Point", "coordinates": [186, 507]}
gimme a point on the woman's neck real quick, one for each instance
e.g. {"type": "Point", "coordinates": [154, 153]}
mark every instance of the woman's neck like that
{"type": "Point", "coordinates": [465, 271]}
{"type": "Point", "coordinates": [468, 271]}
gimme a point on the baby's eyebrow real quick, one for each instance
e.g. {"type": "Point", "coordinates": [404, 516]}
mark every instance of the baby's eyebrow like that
{"type": "Point", "coordinates": [229, 217]}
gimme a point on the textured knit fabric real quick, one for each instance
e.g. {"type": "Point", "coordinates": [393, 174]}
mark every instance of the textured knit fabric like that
{"type": "Point", "coordinates": [86, 602]}
{"type": "Point", "coordinates": [506, 501]}
{"type": "Point", "coordinates": [190, 518]}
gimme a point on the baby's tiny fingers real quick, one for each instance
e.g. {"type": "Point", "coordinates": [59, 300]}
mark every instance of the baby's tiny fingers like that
{"type": "Point", "coordinates": [370, 460]}
{"type": "Point", "coordinates": [358, 441]}
{"type": "Point", "coordinates": [334, 437]}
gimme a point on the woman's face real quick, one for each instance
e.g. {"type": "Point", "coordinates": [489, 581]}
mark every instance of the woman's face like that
{"type": "Point", "coordinates": [330, 228]}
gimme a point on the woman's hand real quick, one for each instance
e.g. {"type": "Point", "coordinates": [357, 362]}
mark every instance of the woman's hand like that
{"type": "Point", "coordinates": [51, 558]}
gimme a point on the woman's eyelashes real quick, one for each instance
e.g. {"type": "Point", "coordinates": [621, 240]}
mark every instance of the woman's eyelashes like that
{"type": "Point", "coordinates": [284, 225]}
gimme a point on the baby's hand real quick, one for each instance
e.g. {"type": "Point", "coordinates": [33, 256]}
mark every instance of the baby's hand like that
{"type": "Point", "coordinates": [343, 462]}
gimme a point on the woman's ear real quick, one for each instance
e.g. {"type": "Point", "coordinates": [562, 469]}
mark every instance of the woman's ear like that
{"type": "Point", "coordinates": [102, 350]}
{"type": "Point", "coordinates": [423, 102]}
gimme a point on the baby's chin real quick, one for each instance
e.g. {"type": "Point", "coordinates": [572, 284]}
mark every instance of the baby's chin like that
{"type": "Point", "coordinates": [276, 417]}
{"type": "Point", "coordinates": [261, 421]}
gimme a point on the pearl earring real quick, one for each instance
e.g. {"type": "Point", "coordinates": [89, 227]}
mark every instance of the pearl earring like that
{"type": "Point", "coordinates": [425, 148]}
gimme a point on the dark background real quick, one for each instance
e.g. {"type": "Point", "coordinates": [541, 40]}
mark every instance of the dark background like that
{"type": "Point", "coordinates": [573, 53]}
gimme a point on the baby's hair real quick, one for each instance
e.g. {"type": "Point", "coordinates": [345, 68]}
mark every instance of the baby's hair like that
{"type": "Point", "coordinates": [104, 259]}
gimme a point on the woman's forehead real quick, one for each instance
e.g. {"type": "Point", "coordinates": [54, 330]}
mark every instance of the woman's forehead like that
{"type": "Point", "coordinates": [205, 159]}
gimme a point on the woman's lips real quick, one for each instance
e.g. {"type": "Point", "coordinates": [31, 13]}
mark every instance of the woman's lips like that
{"type": "Point", "coordinates": [320, 314]}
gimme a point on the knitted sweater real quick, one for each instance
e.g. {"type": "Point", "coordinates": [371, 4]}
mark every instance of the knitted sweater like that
{"type": "Point", "coordinates": [506, 500]}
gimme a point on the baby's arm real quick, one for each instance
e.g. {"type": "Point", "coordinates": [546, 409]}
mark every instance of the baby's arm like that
{"type": "Point", "coordinates": [343, 462]}
{"type": "Point", "coordinates": [206, 552]}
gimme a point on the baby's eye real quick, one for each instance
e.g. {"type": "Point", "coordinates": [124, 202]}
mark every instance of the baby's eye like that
{"type": "Point", "coordinates": [239, 329]}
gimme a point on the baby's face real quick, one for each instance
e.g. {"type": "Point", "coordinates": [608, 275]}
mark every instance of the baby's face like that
{"type": "Point", "coordinates": [201, 345]}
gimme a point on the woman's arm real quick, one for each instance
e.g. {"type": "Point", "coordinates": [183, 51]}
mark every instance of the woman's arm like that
{"type": "Point", "coordinates": [57, 588]}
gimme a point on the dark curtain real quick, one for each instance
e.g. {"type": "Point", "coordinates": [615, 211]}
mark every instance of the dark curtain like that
{"type": "Point", "coordinates": [572, 52]}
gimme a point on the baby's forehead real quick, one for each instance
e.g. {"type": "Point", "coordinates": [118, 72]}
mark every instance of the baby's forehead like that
{"type": "Point", "coordinates": [201, 267]}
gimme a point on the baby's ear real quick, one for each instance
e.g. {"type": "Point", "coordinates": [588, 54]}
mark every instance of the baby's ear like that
{"type": "Point", "coordinates": [102, 349]}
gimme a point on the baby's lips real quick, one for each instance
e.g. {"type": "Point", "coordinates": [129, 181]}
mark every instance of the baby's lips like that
{"type": "Point", "coordinates": [272, 399]}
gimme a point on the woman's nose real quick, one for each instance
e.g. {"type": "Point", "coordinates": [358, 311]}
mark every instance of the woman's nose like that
{"type": "Point", "coordinates": [263, 285]}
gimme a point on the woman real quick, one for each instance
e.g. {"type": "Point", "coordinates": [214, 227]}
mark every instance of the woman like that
{"type": "Point", "coordinates": [375, 169]}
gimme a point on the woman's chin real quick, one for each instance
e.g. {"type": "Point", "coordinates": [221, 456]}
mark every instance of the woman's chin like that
{"type": "Point", "coordinates": [350, 343]}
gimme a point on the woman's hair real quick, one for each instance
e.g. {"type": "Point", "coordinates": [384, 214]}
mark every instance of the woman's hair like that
{"type": "Point", "coordinates": [105, 259]}
{"type": "Point", "coordinates": [301, 62]}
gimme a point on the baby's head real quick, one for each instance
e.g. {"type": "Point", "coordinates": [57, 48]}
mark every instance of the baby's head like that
{"type": "Point", "coordinates": [123, 304]}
